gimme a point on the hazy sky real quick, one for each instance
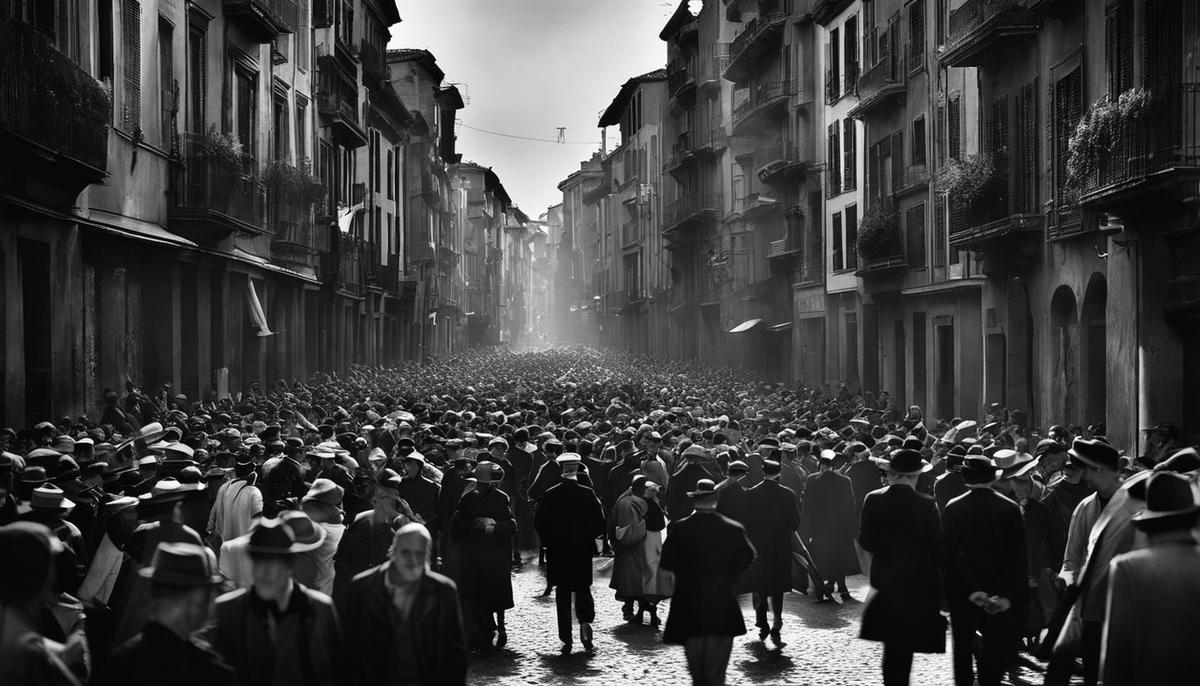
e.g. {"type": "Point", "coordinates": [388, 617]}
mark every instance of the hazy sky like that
{"type": "Point", "coordinates": [529, 67]}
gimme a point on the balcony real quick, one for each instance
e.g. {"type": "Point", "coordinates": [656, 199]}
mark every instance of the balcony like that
{"type": "Point", "coordinates": [881, 85]}
{"type": "Point", "coordinates": [756, 41]}
{"type": "Point", "coordinates": [342, 266]}
{"type": "Point", "coordinates": [764, 101]}
{"type": "Point", "coordinates": [754, 204]}
{"type": "Point", "coordinates": [784, 248]}
{"type": "Point", "coordinates": [54, 118]}
{"type": "Point", "coordinates": [988, 225]}
{"type": "Point", "coordinates": [337, 103]}
{"type": "Point", "coordinates": [808, 272]}
{"type": "Point", "coordinates": [291, 223]}
{"type": "Point", "coordinates": [714, 67]}
{"type": "Point", "coordinates": [265, 19]}
{"type": "Point", "coordinates": [630, 236]}
{"type": "Point", "coordinates": [1158, 158]}
{"type": "Point", "coordinates": [978, 30]}
{"type": "Point", "coordinates": [779, 163]}
{"type": "Point", "coordinates": [910, 179]}
{"type": "Point", "coordinates": [690, 210]}
{"type": "Point", "coordinates": [373, 64]}
{"type": "Point", "coordinates": [681, 80]}
{"type": "Point", "coordinates": [211, 200]}
{"type": "Point", "coordinates": [882, 274]}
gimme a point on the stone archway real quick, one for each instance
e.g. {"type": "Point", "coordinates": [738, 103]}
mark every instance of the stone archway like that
{"type": "Point", "coordinates": [1064, 355]}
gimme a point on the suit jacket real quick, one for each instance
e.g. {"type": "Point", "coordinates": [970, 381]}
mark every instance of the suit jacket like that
{"type": "Point", "coordinates": [707, 551]}
{"type": "Point", "coordinates": [422, 495]}
{"type": "Point", "coordinates": [985, 547]}
{"type": "Point", "coordinates": [902, 531]}
{"type": "Point", "coordinates": [568, 521]}
{"type": "Point", "coordinates": [24, 657]}
{"type": "Point", "coordinates": [158, 656]}
{"type": "Point", "coordinates": [771, 520]}
{"type": "Point", "coordinates": [307, 649]}
{"type": "Point", "coordinates": [1153, 594]}
{"type": "Point", "coordinates": [864, 477]}
{"type": "Point", "coordinates": [679, 505]}
{"type": "Point", "coordinates": [948, 487]}
{"type": "Point", "coordinates": [436, 626]}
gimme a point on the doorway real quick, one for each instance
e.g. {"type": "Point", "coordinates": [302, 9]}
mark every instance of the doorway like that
{"type": "Point", "coordinates": [34, 257]}
{"type": "Point", "coordinates": [898, 363]}
{"type": "Point", "coordinates": [944, 340]}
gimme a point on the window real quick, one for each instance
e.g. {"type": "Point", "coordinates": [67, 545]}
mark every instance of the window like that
{"type": "Point", "coordinates": [279, 121]}
{"type": "Point", "coordinates": [835, 159]}
{"type": "Point", "coordinates": [246, 92]}
{"type": "Point", "coordinates": [301, 129]}
{"type": "Point", "coordinates": [1068, 108]}
{"type": "Point", "coordinates": [870, 52]}
{"type": "Point", "coordinates": [898, 159]}
{"type": "Point", "coordinates": [851, 55]}
{"type": "Point", "coordinates": [939, 230]}
{"type": "Point", "coordinates": [954, 127]}
{"type": "Point", "coordinates": [1027, 138]}
{"type": "Point", "coordinates": [131, 35]}
{"type": "Point", "coordinates": [1118, 46]}
{"type": "Point", "coordinates": [916, 35]}
{"type": "Point", "coordinates": [918, 144]}
{"type": "Point", "coordinates": [197, 78]}
{"type": "Point", "coordinates": [325, 169]}
{"type": "Point", "coordinates": [835, 54]}
{"type": "Point", "coordinates": [104, 25]}
{"type": "Point", "coordinates": [851, 236]}
{"type": "Point", "coordinates": [838, 257]}
{"type": "Point", "coordinates": [850, 154]}
{"type": "Point", "coordinates": [939, 134]}
{"type": "Point", "coordinates": [168, 96]}
{"type": "Point", "coordinates": [390, 194]}
{"type": "Point", "coordinates": [939, 22]}
{"type": "Point", "coordinates": [914, 227]}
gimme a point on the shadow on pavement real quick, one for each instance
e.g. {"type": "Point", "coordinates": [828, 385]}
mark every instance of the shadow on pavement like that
{"type": "Point", "coordinates": [768, 663]}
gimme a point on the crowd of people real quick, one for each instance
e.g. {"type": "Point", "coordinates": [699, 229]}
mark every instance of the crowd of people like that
{"type": "Point", "coordinates": [364, 528]}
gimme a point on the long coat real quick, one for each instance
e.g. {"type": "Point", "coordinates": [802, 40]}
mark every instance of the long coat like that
{"type": "Point", "coordinates": [902, 531]}
{"type": "Point", "coordinates": [828, 524]}
{"type": "Point", "coordinates": [1152, 598]}
{"type": "Point", "coordinates": [864, 478]}
{"type": "Point", "coordinates": [947, 487]}
{"type": "Point", "coordinates": [436, 626]}
{"type": "Point", "coordinates": [486, 582]}
{"type": "Point", "coordinates": [631, 566]}
{"type": "Point", "coordinates": [307, 649]}
{"type": "Point", "coordinates": [771, 520]}
{"type": "Point", "coordinates": [618, 480]}
{"type": "Point", "coordinates": [364, 544]}
{"type": "Point", "coordinates": [706, 551]}
{"type": "Point", "coordinates": [421, 494]}
{"type": "Point", "coordinates": [568, 521]}
{"type": "Point", "coordinates": [679, 505]}
{"type": "Point", "coordinates": [985, 547]}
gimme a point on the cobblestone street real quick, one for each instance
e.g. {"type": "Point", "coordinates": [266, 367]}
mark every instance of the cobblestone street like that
{"type": "Point", "coordinates": [822, 645]}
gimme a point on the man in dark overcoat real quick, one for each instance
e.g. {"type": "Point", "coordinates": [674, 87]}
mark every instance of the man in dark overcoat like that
{"type": "Point", "coordinates": [986, 580]}
{"type": "Point", "coordinates": [684, 481]}
{"type": "Point", "coordinates": [901, 534]}
{"type": "Point", "coordinates": [771, 520]}
{"type": "Point", "coordinates": [484, 526]}
{"type": "Point", "coordinates": [568, 520]}
{"type": "Point", "coordinates": [707, 552]}
{"type": "Point", "coordinates": [734, 501]}
{"type": "Point", "coordinates": [419, 491]}
{"type": "Point", "coordinates": [828, 525]}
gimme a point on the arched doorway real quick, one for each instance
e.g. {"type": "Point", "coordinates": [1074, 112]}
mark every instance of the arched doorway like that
{"type": "Point", "coordinates": [1095, 370]}
{"type": "Point", "coordinates": [1064, 342]}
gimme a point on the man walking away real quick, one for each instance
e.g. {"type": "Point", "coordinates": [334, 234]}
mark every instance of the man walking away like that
{"type": "Point", "coordinates": [707, 552]}
{"type": "Point", "coordinates": [568, 519]}
{"type": "Point", "coordinates": [772, 518]}
{"type": "Point", "coordinates": [828, 525]}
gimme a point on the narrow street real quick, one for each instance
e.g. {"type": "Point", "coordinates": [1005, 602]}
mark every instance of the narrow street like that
{"type": "Point", "coordinates": [822, 645]}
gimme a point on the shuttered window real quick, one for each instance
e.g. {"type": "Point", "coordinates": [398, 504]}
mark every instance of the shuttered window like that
{"type": "Point", "coordinates": [939, 134]}
{"type": "Point", "coordinates": [954, 127]}
{"type": "Point", "coordinates": [131, 36]}
{"type": "Point", "coordinates": [833, 132]}
{"type": "Point", "coordinates": [1027, 139]}
{"type": "Point", "coordinates": [838, 257]}
{"type": "Point", "coordinates": [939, 230]}
{"type": "Point", "coordinates": [1068, 108]}
{"type": "Point", "coordinates": [1118, 46]}
{"type": "Point", "coordinates": [918, 142]}
{"type": "Point", "coordinates": [197, 78]}
{"type": "Point", "coordinates": [914, 227]}
{"type": "Point", "coordinates": [850, 155]}
{"type": "Point", "coordinates": [835, 54]}
{"type": "Point", "coordinates": [852, 55]}
{"type": "Point", "coordinates": [898, 159]}
{"type": "Point", "coordinates": [916, 35]}
{"type": "Point", "coordinates": [851, 236]}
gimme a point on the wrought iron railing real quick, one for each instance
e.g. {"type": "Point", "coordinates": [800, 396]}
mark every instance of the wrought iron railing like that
{"type": "Point", "coordinates": [809, 271]}
{"type": "Point", "coordinates": [201, 182]}
{"type": "Point", "coordinates": [48, 99]}
{"type": "Point", "coordinates": [282, 13]}
{"type": "Point", "coordinates": [762, 94]}
{"type": "Point", "coordinates": [974, 13]}
{"type": "Point", "coordinates": [884, 72]}
{"type": "Point", "coordinates": [753, 29]}
{"type": "Point", "coordinates": [691, 205]}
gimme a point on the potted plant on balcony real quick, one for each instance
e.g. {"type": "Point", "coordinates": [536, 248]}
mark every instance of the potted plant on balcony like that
{"type": "Point", "coordinates": [224, 152]}
{"type": "Point", "coordinates": [310, 188]}
{"type": "Point", "coordinates": [879, 232]}
{"type": "Point", "coordinates": [1098, 132]}
{"type": "Point", "coordinates": [966, 179]}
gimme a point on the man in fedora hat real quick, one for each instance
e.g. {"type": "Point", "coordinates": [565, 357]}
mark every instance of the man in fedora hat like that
{"type": "Point", "coordinates": [455, 480]}
{"type": "Point", "coordinates": [365, 543]}
{"type": "Point", "coordinates": [901, 534]}
{"type": "Point", "coordinates": [828, 526]}
{"type": "Point", "coordinates": [568, 519]}
{"type": "Point", "coordinates": [182, 582]}
{"type": "Point", "coordinates": [404, 624]}
{"type": "Point", "coordinates": [1153, 593]}
{"type": "Point", "coordinates": [706, 551]}
{"type": "Point", "coordinates": [278, 631]}
{"type": "Point", "coordinates": [772, 518]}
{"type": "Point", "coordinates": [986, 583]}
{"type": "Point", "coordinates": [483, 525]}
{"type": "Point", "coordinates": [238, 503]}
{"type": "Point", "coordinates": [418, 490]}
{"type": "Point", "coordinates": [1101, 529]}
{"type": "Point", "coordinates": [50, 507]}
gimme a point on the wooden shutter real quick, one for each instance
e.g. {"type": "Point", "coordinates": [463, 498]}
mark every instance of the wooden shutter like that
{"type": "Point", "coordinates": [1068, 108]}
{"type": "Point", "coordinates": [851, 236]}
{"type": "Point", "coordinates": [838, 261]}
{"type": "Point", "coordinates": [852, 70]}
{"type": "Point", "coordinates": [1118, 46]}
{"type": "Point", "coordinates": [939, 134]}
{"type": "Point", "coordinates": [897, 159]}
{"type": "Point", "coordinates": [1029, 148]}
{"type": "Point", "coordinates": [998, 139]}
{"type": "Point", "coordinates": [131, 108]}
{"type": "Point", "coordinates": [850, 144]}
{"type": "Point", "coordinates": [914, 226]}
{"type": "Point", "coordinates": [954, 127]}
{"type": "Point", "coordinates": [916, 34]}
{"type": "Point", "coordinates": [939, 230]}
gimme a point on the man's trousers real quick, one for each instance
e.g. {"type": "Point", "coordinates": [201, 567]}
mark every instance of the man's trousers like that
{"type": "Point", "coordinates": [585, 609]}
{"type": "Point", "coordinates": [998, 642]}
{"type": "Point", "coordinates": [707, 658]}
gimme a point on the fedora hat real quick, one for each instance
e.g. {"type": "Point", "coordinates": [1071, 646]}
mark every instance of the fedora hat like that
{"type": "Point", "coordinates": [1168, 495]}
{"type": "Point", "coordinates": [50, 497]}
{"type": "Point", "coordinates": [738, 467]}
{"type": "Point", "coordinates": [1095, 453]}
{"type": "Point", "coordinates": [488, 473]}
{"type": "Point", "coordinates": [324, 491]}
{"type": "Point", "coordinates": [977, 469]}
{"type": "Point", "coordinates": [148, 433]}
{"type": "Point", "coordinates": [704, 487]}
{"type": "Point", "coordinates": [905, 462]}
{"type": "Point", "coordinates": [1048, 445]}
{"type": "Point", "coordinates": [308, 535]}
{"type": "Point", "coordinates": [272, 536]}
{"type": "Point", "coordinates": [164, 491]}
{"type": "Point", "coordinates": [181, 565]}
{"type": "Point", "coordinates": [1180, 462]}
{"type": "Point", "coordinates": [1013, 463]}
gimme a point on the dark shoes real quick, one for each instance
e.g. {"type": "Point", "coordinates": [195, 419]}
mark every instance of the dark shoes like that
{"type": "Point", "coordinates": [763, 632]}
{"type": "Point", "coordinates": [777, 639]}
{"type": "Point", "coordinates": [501, 638]}
{"type": "Point", "coordinates": [565, 650]}
{"type": "Point", "coordinates": [585, 637]}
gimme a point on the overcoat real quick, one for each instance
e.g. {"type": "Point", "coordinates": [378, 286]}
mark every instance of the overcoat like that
{"type": "Point", "coordinates": [486, 573]}
{"type": "Point", "coordinates": [630, 564]}
{"type": "Point", "coordinates": [828, 524]}
{"type": "Point", "coordinates": [985, 547]}
{"type": "Point", "coordinates": [679, 505]}
{"type": "Point", "coordinates": [706, 551]}
{"type": "Point", "coordinates": [902, 531]}
{"type": "Point", "coordinates": [435, 624]}
{"type": "Point", "coordinates": [364, 544]}
{"type": "Point", "coordinates": [771, 520]}
{"type": "Point", "coordinates": [568, 521]}
{"type": "Point", "coordinates": [864, 478]}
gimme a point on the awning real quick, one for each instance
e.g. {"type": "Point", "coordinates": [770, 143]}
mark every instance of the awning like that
{"type": "Point", "coordinates": [781, 327]}
{"type": "Point", "coordinates": [745, 326]}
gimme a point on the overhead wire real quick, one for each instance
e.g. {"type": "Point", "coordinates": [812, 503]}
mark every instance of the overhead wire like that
{"type": "Point", "coordinates": [526, 138]}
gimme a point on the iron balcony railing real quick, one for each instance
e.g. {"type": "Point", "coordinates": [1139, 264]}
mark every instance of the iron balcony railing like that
{"type": "Point", "coordinates": [809, 271]}
{"type": "Point", "coordinates": [342, 266]}
{"type": "Point", "coordinates": [202, 183]}
{"type": "Point", "coordinates": [975, 13]}
{"type": "Point", "coordinates": [691, 205]}
{"type": "Point", "coordinates": [680, 73]}
{"type": "Point", "coordinates": [290, 219]}
{"type": "Point", "coordinates": [779, 151]}
{"type": "Point", "coordinates": [884, 72]}
{"type": "Point", "coordinates": [284, 15]}
{"type": "Point", "coordinates": [762, 94]}
{"type": "Point", "coordinates": [753, 30]}
{"type": "Point", "coordinates": [49, 100]}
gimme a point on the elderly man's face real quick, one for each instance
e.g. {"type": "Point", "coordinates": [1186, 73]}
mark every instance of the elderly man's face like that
{"type": "Point", "coordinates": [410, 557]}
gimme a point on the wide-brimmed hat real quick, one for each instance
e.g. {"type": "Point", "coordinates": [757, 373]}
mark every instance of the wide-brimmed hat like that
{"type": "Point", "coordinates": [191, 479]}
{"type": "Point", "coordinates": [704, 487]}
{"type": "Point", "coordinates": [148, 433]}
{"type": "Point", "coordinates": [1095, 453]}
{"type": "Point", "coordinates": [905, 462]}
{"type": "Point", "coordinates": [308, 535]}
{"type": "Point", "coordinates": [1013, 463]}
{"type": "Point", "coordinates": [415, 456]}
{"type": "Point", "coordinates": [164, 491]}
{"type": "Point", "coordinates": [324, 491]}
{"type": "Point", "coordinates": [50, 498]}
{"type": "Point", "coordinates": [1048, 445]}
{"type": "Point", "coordinates": [979, 470]}
{"type": "Point", "coordinates": [272, 536]}
{"type": "Point", "coordinates": [1180, 462]}
{"type": "Point", "coordinates": [1168, 495]}
{"type": "Point", "coordinates": [181, 565]}
{"type": "Point", "coordinates": [488, 473]}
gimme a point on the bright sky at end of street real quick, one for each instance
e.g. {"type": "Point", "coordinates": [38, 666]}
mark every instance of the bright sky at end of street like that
{"type": "Point", "coordinates": [529, 67]}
